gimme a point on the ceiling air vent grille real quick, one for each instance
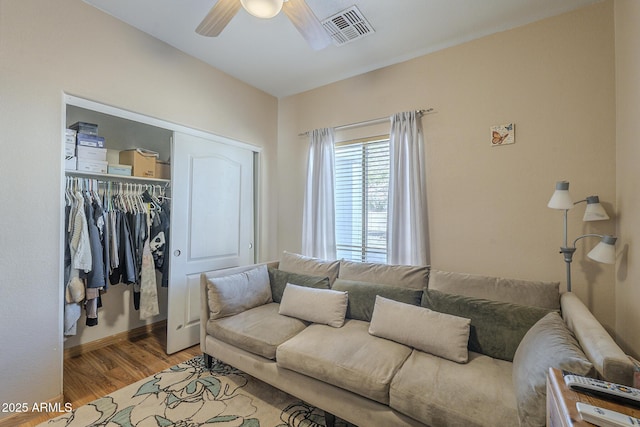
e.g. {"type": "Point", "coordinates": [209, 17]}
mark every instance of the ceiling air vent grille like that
{"type": "Point", "coordinates": [347, 26]}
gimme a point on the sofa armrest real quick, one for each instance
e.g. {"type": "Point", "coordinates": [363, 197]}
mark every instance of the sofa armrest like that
{"type": "Point", "coordinates": [607, 357]}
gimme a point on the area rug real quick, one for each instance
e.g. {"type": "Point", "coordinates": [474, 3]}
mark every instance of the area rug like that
{"type": "Point", "coordinates": [190, 395]}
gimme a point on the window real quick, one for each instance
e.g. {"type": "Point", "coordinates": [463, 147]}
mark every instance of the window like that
{"type": "Point", "coordinates": [362, 189]}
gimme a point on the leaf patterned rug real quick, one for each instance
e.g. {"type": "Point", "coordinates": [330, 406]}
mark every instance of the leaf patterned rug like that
{"type": "Point", "coordinates": [190, 395]}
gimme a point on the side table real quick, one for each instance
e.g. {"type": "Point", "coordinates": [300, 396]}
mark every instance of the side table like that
{"type": "Point", "coordinates": [561, 403]}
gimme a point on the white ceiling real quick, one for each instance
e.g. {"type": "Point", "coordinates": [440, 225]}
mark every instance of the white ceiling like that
{"type": "Point", "coordinates": [271, 55]}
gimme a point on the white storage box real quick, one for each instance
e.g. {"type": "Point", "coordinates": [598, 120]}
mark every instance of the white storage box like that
{"type": "Point", "coordinates": [90, 140]}
{"type": "Point", "coordinates": [124, 170]}
{"type": "Point", "coordinates": [94, 166]}
{"type": "Point", "coordinates": [91, 153]}
{"type": "Point", "coordinates": [70, 149]}
{"type": "Point", "coordinates": [70, 163]}
{"type": "Point", "coordinates": [70, 136]}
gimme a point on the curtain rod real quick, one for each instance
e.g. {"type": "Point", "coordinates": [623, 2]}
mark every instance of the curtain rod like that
{"type": "Point", "coordinates": [371, 122]}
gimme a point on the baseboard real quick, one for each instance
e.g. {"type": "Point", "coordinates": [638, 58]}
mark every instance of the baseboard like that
{"type": "Point", "coordinates": [20, 418]}
{"type": "Point", "coordinates": [113, 339]}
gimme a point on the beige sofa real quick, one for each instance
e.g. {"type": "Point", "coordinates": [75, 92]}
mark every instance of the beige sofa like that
{"type": "Point", "coordinates": [381, 345]}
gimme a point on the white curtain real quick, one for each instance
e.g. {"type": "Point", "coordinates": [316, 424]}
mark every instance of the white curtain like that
{"type": "Point", "coordinates": [407, 226]}
{"type": "Point", "coordinates": [318, 220]}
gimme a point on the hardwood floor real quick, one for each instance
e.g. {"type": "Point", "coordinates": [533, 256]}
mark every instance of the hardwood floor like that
{"type": "Point", "coordinates": [99, 372]}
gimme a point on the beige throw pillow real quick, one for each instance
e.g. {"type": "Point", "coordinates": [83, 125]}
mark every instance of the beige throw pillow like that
{"type": "Point", "coordinates": [440, 334]}
{"type": "Point", "coordinates": [233, 294]}
{"type": "Point", "coordinates": [314, 305]}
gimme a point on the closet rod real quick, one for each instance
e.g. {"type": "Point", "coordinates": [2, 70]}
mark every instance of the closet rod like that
{"type": "Point", "coordinates": [371, 122]}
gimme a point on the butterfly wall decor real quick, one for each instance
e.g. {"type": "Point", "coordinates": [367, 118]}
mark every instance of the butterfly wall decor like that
{"type": "Point", "coordinates": [503, 134]}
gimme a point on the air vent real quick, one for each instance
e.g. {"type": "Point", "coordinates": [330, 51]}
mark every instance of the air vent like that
{"type": "Point", "coordinates": [347, 26]}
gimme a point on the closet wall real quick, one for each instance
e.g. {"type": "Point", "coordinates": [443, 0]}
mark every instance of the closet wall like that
{"type": "Point", "coordinates": [117, 313]}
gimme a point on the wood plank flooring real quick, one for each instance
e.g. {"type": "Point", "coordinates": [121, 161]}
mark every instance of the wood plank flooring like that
{"type": "Point", "coordinates": [102, 371]}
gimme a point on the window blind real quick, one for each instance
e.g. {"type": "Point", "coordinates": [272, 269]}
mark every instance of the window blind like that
{"type": "Point", "coordinates": [361, 198]}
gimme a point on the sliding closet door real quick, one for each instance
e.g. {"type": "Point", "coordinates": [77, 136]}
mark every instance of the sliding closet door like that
{"type": "Point", "coordinates": [212, 224]}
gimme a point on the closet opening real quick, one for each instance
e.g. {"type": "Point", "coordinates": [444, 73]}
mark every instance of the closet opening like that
{"type": "Point", "coordinates": [140, 203]}
{"type": "Point", "coordinates": [205, 230]}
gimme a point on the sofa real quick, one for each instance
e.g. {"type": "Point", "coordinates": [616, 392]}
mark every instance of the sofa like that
{"type": "Point", "coordinates": [390, 345]}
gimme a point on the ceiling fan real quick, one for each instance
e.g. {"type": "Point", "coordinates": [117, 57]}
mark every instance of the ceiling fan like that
{"type": "Point", "coordinates": [297, 11]}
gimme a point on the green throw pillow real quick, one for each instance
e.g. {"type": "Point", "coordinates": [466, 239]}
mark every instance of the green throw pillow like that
{"type": "Point", "coordinates": [362, 296]}
{"type": "Point", "coordinates": [496, 327]}
{"type": "Point", "coordinates": [279, 279]}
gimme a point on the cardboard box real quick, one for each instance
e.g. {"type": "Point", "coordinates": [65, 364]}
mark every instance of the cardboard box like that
{"type": "Point", "coordinates": [124, 170]}
{"type": "Point", "coordinates": [163, 170]}
{"type": "Point", "coordinates": [93, 166]}
{"type": "Point", "coordinates": [91, 153]}
{"type": "Point", "coordinates": [90, 140]}
{"type": "Point", "coordinates": [142, 164]}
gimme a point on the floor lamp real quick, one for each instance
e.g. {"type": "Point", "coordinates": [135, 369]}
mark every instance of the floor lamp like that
{"type": "Point", "coordinates": [605, 250]}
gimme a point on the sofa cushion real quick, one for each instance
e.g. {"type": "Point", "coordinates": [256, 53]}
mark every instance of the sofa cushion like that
{"type": "Point", "coordinates": [279, 279]}
{"type": "Point", "coordinates": [346, 357]}
{"type": "Point", "coordinates": [235, 293]}
{"type": "Point", "coordinates": [440, 334]}
{"type": "Point", "coordinates": [547, 344]}
{"type": "Point", "coordinates": [296, 263]}
{"type": "Point", "coordinates": [362, 296]}
{"type": "Point", "coordinates": [406, 276]}
{"type": "Point", "coordinates": [324, 306]}
{"type": "Point", "coordinates": [438, 392]}
{"type": "Point", "coordinates": [259, 330]}
{"type": "Point", "coordinates": [496, 327]}
{"type": "Point", "coordinates": [525, 292]}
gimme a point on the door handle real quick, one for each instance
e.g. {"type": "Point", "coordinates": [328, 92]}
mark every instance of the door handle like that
{"type": "Point", "coordinates": [177, 252]}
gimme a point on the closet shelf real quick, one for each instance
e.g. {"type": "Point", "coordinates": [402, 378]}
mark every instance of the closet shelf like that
{"type": "Point", "coordinates": [113, 177]}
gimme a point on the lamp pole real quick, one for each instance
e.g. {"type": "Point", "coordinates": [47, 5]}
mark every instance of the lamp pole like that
{"type": "Point", "coordinates": [567, 252]}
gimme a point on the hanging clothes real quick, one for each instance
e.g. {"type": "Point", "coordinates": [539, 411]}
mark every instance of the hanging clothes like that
{"type": "Point", "coordinates": [159, 242]}
{"type": "Point", "coordinates": [108, 241]}
{"type": "Point", "coordinates": [148, 287]}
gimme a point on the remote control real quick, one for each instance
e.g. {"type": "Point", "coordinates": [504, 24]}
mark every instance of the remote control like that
{"type": "Point", "coordinates": [605, 417]}
{"type": "Point", "coordinates": [604, 389]}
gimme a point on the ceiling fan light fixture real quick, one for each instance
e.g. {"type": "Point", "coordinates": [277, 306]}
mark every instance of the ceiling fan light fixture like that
{"type": "Point", "coordinates": [264, 9]}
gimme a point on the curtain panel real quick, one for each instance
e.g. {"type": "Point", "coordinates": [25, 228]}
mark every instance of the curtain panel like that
{"type": "Point", "coordinates": [408, 231]}
{"type": "Point", "coordinates": [318, 220]}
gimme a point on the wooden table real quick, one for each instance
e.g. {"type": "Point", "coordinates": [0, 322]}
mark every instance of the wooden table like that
{"type": "Point", "coordinates": [561, 403]}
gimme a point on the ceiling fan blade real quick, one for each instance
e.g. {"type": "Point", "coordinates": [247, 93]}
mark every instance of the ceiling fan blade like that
{"type": "Point", "coordinates": [307, 24]}
{"type": "Point", "coordinates": [218, 18]}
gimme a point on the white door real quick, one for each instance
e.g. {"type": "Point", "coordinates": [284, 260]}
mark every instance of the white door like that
{"type": "Point", "coordinates": [212, 225]}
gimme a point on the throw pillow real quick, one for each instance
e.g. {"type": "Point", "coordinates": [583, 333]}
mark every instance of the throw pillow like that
{"type": "Point", "coordinates": [302, 264]}
{"type": "Point", "coordinates": [235, 293]}
{"type": "Point", "coordinates": [436, 333]}
{"type": "Point", "coordinates": [496, 327]}
{"type": "Point", "coordinates": [324, 306]}
{"type": "Point", "coordinates": [549, 343]}
{"type": "Point", "coordinates": [406, 276]}
{"type": "Point", "coordinates": [525, 292]}
{"type": "Point", "coordinates": [279, 279]}
{"type": "Point", "coordinates": [362, 296]}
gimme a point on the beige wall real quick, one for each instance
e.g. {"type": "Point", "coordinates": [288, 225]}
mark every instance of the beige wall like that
{"type": "Point", "coordinates": [627, 17]}
{"type": "Point", "coordinates": [487, 205]}
{"type": "Point", "coordinates": [48, 48]}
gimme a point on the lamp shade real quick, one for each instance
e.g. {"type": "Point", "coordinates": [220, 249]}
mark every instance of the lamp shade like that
{"type": "Point", "coordinates": [594, 211]}
{"type": "Point", "coordinates": [262, 8]}
{"type": "Point", "coordinates": [561, 199]}
{"type": "Point", "coordinates": [605, 251]}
